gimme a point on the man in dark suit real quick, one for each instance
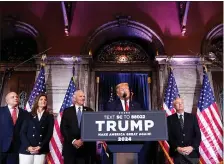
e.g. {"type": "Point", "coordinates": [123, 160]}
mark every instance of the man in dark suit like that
{"type": "Point", "coordinates": [75, 151]}
{"type": "Point", "coordinates": [11, 119]}
{"type": "Point", "coordinates": [125, 102]}
{"type": "Point", "coordinates": [184, 135]}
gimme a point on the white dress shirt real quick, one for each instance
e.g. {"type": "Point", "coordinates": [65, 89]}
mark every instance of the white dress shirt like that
{"type": "Point", "coordinates": [39, 114]}
{"type": "Point", "coordinates": [178, 114]}
{"type": "Point", "coordinates": [77, 108]}
{"type": "Point", "coordinates": [11, 110]}
{"type": "Point", "coordinates": [123, 104]}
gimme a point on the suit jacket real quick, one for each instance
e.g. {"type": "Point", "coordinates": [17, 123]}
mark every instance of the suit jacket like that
{"type": "Point", "coordinates": [117, 106]}
{"type": "Point", "coordinates": [71, 130]}
{"type": "Point", "coordinates": [37, 133]}
{"type": "Point", "coordinates": [189, 136]}
{"type": "Point", "coordinates": [9, 137]}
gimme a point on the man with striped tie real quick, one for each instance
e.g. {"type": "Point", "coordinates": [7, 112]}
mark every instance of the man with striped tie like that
{"type": "Point", "coordinates": [75, 151]}
{"type": "Point", "coordinates": [184, 135]}
{"type": "Point", "coordinates": [11, 119]}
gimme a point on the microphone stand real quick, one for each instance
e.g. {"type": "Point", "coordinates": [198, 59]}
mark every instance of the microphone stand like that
{"type": "Point", "coordinates": [125, 100]}
{"type": "Point", "coordinates": [8, 71]}
{"type": "Point", "coordinates": [130, 101]}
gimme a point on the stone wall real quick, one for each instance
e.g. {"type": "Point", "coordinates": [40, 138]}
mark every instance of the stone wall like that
{"type": "Point", "coordinates": [59, 71]}
{"type": "Point", "coordinates": [188, 73]}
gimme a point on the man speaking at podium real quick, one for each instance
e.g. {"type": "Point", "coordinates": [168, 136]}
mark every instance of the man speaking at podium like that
{"type": "Point", "coordinates": [124, 103]}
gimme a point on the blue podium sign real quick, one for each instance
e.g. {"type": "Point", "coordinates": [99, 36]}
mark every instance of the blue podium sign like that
{"type": "Point", "coordinates": [124, 126]}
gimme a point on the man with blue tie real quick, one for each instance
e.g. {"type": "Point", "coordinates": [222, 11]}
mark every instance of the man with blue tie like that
{"type": "Point", "coordinates": [75, 151]}
{"type": "Point", "coordinates": [11, 119]}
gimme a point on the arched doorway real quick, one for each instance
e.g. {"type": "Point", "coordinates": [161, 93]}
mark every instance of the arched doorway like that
{"type": "Point", "coordinates": [119, 33]}
{"type": "Point", "coordinates": [123, 53]}
{"type": "Point", "coordinates": [124, 48]}
{"type": "Point", "coordinates": [19, 43]}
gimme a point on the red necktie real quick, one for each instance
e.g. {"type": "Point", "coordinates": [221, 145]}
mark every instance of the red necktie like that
{"type": "Point", "coordinates": [14, 115]}
{"type": "Point", "coordinates": [126, 106]}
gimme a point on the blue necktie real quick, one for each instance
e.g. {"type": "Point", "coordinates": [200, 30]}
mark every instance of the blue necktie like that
{"type": "Point", "coordinates": [79, 115]}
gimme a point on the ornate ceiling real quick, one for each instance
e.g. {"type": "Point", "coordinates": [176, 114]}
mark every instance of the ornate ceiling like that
{"type": "Point", "coordinates": [67, 27]}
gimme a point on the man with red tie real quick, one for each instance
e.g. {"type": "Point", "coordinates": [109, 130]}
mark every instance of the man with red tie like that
{"type": "Point", "coordinates": [125, 102]}
{"type": "Point", "coordinates": [11, 119]}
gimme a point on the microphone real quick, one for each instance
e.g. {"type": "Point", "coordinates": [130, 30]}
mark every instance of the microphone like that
{"type": "Point", "coordinates": [124, 95]}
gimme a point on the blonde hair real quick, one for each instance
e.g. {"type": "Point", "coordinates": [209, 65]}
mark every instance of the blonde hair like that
{"type": "Point", "coordinates": [121, 84]}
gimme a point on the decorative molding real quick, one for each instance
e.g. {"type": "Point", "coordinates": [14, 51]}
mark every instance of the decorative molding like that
{"type": "Point", "coordinates": [183, 60]}
{"type": "Point", "coordinates": [56, 91]}
{"type": "Point", "coordinates": [122, 27]}
{"type": "Point", "coordinates": [23, 99]}
{"type": "Point", "coordinates": [24, 67]}
{"type": "Point", "coordinates": [12, 25]}
{"type": "Point", "coordinates": [121, 52]}
{"type": "Point", "coordinates": [123, 20]}
{"type": "Point", "coordinates": [67, 60]}
{"type": "Point", "coordinates": [212, 46]}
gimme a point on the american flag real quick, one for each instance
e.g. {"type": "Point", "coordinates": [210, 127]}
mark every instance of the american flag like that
{"type": "Point", "coordinates": [55, 155]}
{"type": "Point", "coordinates": [211, 147]}
{"type": "Point", "coordinates": [171, 94]}
{"type": "Point", "coordinates": [39, 87]}
{"type": "Point", "coordinates": [104, 155]}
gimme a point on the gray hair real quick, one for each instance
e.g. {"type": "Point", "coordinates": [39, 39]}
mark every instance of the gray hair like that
{"type": "Point", "coordinates": [75, 94]}
{"type": "Point", "coordinates": [174, 101]}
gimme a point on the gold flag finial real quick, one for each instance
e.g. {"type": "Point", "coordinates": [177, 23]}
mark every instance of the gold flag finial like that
{"type": "Point", "coordinates": [43, 59]}
{"type": "Point", "coordinates": [97, 80]}
{"type": "Point", "coordinates": [149, 80]}
{"type": "Point", "coordinates": [206, 70]}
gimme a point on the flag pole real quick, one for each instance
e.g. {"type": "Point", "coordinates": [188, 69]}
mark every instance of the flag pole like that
{"type": "Point", "coordinates": [97, 93]}
{"type": "Point", "coordinates": [169, 69]}
{"type": "Point", "coordinates": [166, 153]}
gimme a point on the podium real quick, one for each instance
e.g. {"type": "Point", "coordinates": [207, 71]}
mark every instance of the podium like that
{"type": "Point", "coordinates": [120, 148]}
{"type": "Point", "coordinates": [124, 132]}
